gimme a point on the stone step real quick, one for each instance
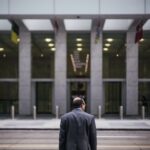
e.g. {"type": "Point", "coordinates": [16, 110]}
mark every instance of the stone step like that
{"type": "Point", "coordinates": [55, 147]}
{"type": "Point", "coordinates": [54, 141]}
{"type": "Point", "coordinates": [48, 140]}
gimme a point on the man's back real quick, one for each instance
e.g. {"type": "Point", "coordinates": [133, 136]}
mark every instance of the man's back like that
{"type": "Point", "coordinates": [77, 131]}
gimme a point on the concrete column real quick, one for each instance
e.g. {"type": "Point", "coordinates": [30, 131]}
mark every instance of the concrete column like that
{"type": "Point", "coordinates": [25, 72]}
{"type": "Point", "coordinates": [60, 84]}
{"type": "Point", "coordinates": [96, 84]}
{"type": "Point", "coordinates": [131, 74]}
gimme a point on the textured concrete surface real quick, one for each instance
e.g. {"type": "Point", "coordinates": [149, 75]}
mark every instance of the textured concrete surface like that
{"type": "Point", "coordinates": [48, 140]}
{"type": "Point", "coordinates": [54, 124]}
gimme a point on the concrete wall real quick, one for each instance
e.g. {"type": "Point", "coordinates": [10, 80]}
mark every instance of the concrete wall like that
{"type": "Point", "coordinates": [68, 7]}
{"type": "Point", "coordinates": [122, 7]}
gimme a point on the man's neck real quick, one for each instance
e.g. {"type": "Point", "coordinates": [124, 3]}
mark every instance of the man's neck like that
{"type": "Point", "coordinates": [79, 108]}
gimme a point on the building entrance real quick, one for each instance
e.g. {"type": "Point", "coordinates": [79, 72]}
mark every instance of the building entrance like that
{"type": "Point", "coordinates": [113, 97]}
{"type": "Point", "coordinates": [44, 97]}
{"type": "Point", "coordinates": [78, 89]}
{"type": "Point", "coordinates": [8, 97]}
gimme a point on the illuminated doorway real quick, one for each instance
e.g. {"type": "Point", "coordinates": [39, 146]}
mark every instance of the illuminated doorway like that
{"type": "Point", "coordinates": [80, 89]}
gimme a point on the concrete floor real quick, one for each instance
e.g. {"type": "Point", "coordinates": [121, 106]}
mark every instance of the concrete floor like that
{"type": "Point", "coordinates": [110, 124]}
{"type": "Point", "coordinates": [48, 140]}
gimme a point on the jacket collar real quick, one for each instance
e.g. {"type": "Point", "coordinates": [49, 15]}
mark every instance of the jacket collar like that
{"type": "Point", "coordinates": [77, 109]}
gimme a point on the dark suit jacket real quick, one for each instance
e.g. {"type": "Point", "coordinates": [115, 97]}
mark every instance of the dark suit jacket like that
{"type": "Point", "coordinates": [77, 131]}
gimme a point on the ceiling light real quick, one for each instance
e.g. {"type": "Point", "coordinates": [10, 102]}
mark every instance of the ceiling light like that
{"type": "Point", "coordinates": [107, 44]}
{"type": "Point", "coordinates": [5, 25]}
{"type": "Point", "coordinates": [78, 24]}
{"type": "Point", "coordinates": [141, 40]}
{"type": "Point", "coordinates": [51, 44]}
{"type": "Point", "coordinates": [18, 40]}
{"type": "Point", "coordinates": [117, 24]}
{"type": "Point", "coordinates": [42, 55]}
{"type": "Point", "coordinates": [38, 24]}
{"type": "Point", "coordinates": [79, 49]}
{"type": "Point", "coordinates": [4, 55]}
{"type": "Point", "coordinates": [105, 49]}
{"type": "Point", "coordinates": [48, 39]}
{"type": "Point", "coordinates": [79, 44]}
{"type": "Point", "coordinates": [146, 26]}
{"type": "Point", "coordinates": [1, 49]}
{"type": "Point", "coordinates": [79, 39]}
{"type": "Point", "coordinates": [109, 40]}
{"type": "Point", "coordinates": [53, 49]}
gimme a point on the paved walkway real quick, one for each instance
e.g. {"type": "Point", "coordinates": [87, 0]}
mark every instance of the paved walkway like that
{"type": "Point", "coordinates": [101, 124]}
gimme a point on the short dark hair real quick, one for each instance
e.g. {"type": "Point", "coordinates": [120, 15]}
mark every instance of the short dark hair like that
{"type": "Point", "coordinates": [77, 102]}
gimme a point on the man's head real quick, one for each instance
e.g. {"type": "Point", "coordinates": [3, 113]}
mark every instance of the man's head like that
{"type": "Point", "coordinates": [79, 103]}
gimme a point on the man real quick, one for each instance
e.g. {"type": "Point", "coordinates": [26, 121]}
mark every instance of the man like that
{"type": "Point", "coordinates": [77, 129]}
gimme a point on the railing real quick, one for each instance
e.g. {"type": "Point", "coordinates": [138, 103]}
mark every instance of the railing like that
{"type": "Point", "coordinates": [57, 112]}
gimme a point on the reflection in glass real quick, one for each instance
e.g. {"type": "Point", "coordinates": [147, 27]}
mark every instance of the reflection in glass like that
{"type": "Point", "coordinates": [8, 97]}
{"type": "Point", "coordinates": [42, 55]}
{"type": "Point", "coordinates": [114, 55]}
{"type": "Point", "coordinates": [78, 55]}
{"type": "Point", "coordinates": [144, 97]}
{"type": "Point", "coordinates": [144, 57]}
{"type": "Point", "coordinates": [112, 97]}
{"type": "Point", "coordinates": [8, 56]}
{"type": "Point", "coordinates": [44, 97]}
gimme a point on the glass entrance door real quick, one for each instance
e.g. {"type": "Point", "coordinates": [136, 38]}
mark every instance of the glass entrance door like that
{"type": "Point", "coordinates": [44, 97]}
{"type": "Point", "coordinates": [113, 96]}
{"type": "Point", "coordinates": [78, 89]}
{"type": "Point", "coordinates": [8, 97]}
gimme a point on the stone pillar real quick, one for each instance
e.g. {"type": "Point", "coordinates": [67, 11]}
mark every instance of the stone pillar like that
{"type": "Point", "coordinates": [25, 72]}
{"type": "Point", "coordinates": [96, 84]}
{"type": "Point", "coordinates": [131, 74]}
{"type": "Point", "coordinates": [60, 83]}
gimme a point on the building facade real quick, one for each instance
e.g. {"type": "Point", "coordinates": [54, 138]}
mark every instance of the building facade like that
{"type": "Point", "coordinates": [100, 52]}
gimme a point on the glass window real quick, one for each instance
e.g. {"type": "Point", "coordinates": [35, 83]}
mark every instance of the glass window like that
{"type": "Point", "coordinates": [44, 97]}
{"type": "Point", "coordinates": [114, 55]}
{"type": "Point", "coordinates": [112, 97]}
{"type": "Point", "coordinates": [144, 97]}
{"type": "Point", "coordinates": [8, 97]}
{"type": "Point", "coordinates": [144, 56]}
{"type": "Point", "coordinates": [43, 49]}
{"type": "Point", "coordinates": [8, 56]}
{"type": "Point", "coordinates": [78, 55]}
